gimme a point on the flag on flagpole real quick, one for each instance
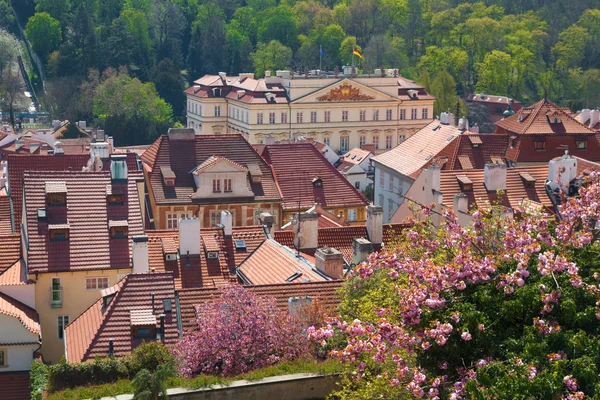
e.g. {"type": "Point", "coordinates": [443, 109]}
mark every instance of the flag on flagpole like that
{"type": "Point", "coordinates": [321, 51]}
{"type": "Point", "coordinates": [356, 52]}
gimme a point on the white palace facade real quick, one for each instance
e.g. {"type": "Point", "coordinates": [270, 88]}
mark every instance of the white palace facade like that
{"type": "Point", "coordinates": [342, 111]}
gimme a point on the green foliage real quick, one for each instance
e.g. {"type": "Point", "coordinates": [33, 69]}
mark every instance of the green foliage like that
{"type": "Point", "coordinates": [44, 33]}
{"type": "Point", "coordinates": [152, 385]}
{"type": "Point", "coordinates": [149, 356]}
{"type": "Point", "coordinates": [6, 15]}
{"type": "Point", "coordinates": [272, 56]}
{"type": "Point", "coordinates": [38, 379]}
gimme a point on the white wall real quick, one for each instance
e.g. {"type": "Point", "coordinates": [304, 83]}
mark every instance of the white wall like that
{"type": "Point", "coordinates": [23, 293]}
{"type": "Point", "coordinates": [386, 193]}
{"type": "Point", "coordinates": [19, 357]}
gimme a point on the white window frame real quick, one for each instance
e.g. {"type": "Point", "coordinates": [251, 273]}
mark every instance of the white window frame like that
{"type": "Point", "coordinates": [388, 115]}
{"type": "Point", "coordinates": [172, 218]}
{"type": "Point", "coordinates": [344, 143]}
{"type": "Point", "coordinates": [216, 185]}
{"type": "Point", "coordinates": [61, 320]}
{"type": "Point", "coordinates": [217, 111]}
{"type": "Point", "coordinates": [345, 116]}
{"type": "Point", "coordinates": [96, 282]}
{"type": "Point", "coordinates": [402, 114]}
{"type": "Point", "coordinates": [327, 116]}
{"type": "Point", "coordinates": [351, 214]}
{"type": "Point", "coordinates": [401, 138]}
{"type": "Point", "coordinates": [56, 302]}
{"type": "Point", "coordinates": [227, 185]}
{"type": "Point", "coordinates": [362, 115]}
{"type": "Point", "coordinates": [362, 140]}
{"type": "Point", "coordinates": [271, 117]}
{"type": "Point", "coordinates": [299, 117]}
{"type": "Point", "coordinates": [326, 140]}
{"type": "Point", "coordinates": [376, 115]}
{"type": "Point", "coordinates": [413, 113]}
{"type": "Point", "coordinates": [259, 118]}
{"type": "Point", "coordinates": [389, 139]}
{"type": "Point", "coordinates": [382, 179]}
{"type": "Point", "coordinates": [425, 113]}
{"type": "Point", "coordinates": [376, 141]}
{"type": "Point", "coordinates": [313, 117]}
{"type": "Point", "coordinates": [284, 118]}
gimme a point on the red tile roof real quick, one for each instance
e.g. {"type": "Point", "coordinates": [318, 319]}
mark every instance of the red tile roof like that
{"type": "Point", "coordinates": [15, 386]}
{"type": "Point", "coordinates": [486, 98]}
{"type": "Point", "coordinates": [585, 166]}
{"type": "Point", "coordinates": [25, 314]}
{"type": "Point", "coordinates": [297, 165]}
{"type": "Point", "coordinates": [326, 219]}
{"type": "Point", "coordinates": [524, 149]}
{"type": "Point", "coordinates": [433, 143]}
{"type": "Point", "coordinates": [17, 165]}
{"type": "Point", "coordinates": [200, 271]}
{"type": "Point", "coordinates": [14, 275]}
{"type": "Point", "coordinates": [182, 156]}
{"type": "Point", "coordinates": [341, 238]}
{"type": "Point", "coordinates": [87, 214]}
{"type": "Point", "coordinates": [10, 251]}
{"type": "Point", "coordinates": [516, 189]}
{"type": "Point", "coordinates": [88, 335]}
{"type": "Point", "coordinates": [5, 216]}
{"type": "Point", "coordinates": [473, 151]}
{"type": "Point", "coordinates": [273, 263]}
{"type": "Point", "coordinates": [326, 291]}
{"type": "Point", "coordinates": [533, 120]}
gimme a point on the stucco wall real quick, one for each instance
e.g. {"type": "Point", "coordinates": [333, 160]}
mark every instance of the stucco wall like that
{"type": "Point", "coordinates": [19, 357]}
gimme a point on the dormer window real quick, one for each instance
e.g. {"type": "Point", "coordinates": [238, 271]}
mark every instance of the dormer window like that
{"type": "Point", "coordinates": [466, 184]}
{"type": "Point", "coordinates": [255, 173]}
{"type": "Point", "coordinates": [475, 141]}
{"type": "Point", "coordinates": [527, 179]}
{"type": "Point", "coordinates": [216, 185]}
{"type": "Point", "coordinates": [168, 176]}
{"type": "Point", "coordinates": [539, 145]}
{"type": "Point", "coordinates": [118, 229]}
{"type": "Point", "coordinates": [58, 232]}
{"type": "Point", "coordinates": [227, 187]}
{"type": "Point", "coordinates": [581, 144]}
{"type": "Point", "coordinates": [56, 193]}
{"type": "Point", "coordinates": [317, 183]}
{"type": "Point", "coordinates": [143, 324]}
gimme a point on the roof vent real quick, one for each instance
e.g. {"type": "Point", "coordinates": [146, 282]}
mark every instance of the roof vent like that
{"type": "Point", "coordinates": [317, 182]}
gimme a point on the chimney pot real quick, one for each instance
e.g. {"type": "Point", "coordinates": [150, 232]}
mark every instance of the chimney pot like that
{"type": "Point", "coordinates": [330, 261]}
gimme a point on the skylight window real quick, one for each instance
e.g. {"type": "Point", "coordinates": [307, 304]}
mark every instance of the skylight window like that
{"type": "Point", "coordinates": [240, 245]}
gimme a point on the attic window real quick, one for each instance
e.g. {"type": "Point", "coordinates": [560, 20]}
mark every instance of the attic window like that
{"type": "Point", "coordinates": [41, 214]}
{"type": "Point", "coordinates": [317, 183]}
{"type": "Point", "coordinates": [240, 245]}
{"type": "Point", "coordinates": [294, 276]}
{"type": "Point", "coordinates": [56, 193]}
{"type": "Point", "coordinates": [527, 179]}
{"type": "Point", "coordinates": [466, 184]}
{"type": "Point", "coordinates": [450, 138]}
{"type": "Point", "coordinates": [118, 229]}
{"type": "Point", "coordinates": [168, 176]}
{"type": "Point", "coordinates": [217, 92]}
{"type": "Point", "coordinates": [58, 232]}
{"type": "Point", "coordinates": [539, 145]}
{"type": "Point", "coordinates": [581, 144]}
{"type": "Point", "coordinates": [143, 324]}
{"type": "Point", "coordinates": [255, 173]}
{"type": "Point", "coordinates": [475, 141]}
{"type": "Point", "coordinates": [212, 255]}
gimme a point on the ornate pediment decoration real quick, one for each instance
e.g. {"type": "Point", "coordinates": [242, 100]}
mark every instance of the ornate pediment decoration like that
{"type": "Point", "coordinates": [345, 92]}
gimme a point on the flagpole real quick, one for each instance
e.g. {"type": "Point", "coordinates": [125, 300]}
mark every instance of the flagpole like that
{"type": "Point", "coordinates": [320, 55]}
{"type": "Point", "coordinates": [352, 57]}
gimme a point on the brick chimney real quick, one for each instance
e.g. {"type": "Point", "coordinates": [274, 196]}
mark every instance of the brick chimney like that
{"type": "Point", "coordinates": [189, 236]}
{"type": "Point", "coordinates": [375, 224]}
{"type": "Point", "coordinates": [330, 261]}
{"type": "Point", "coordinates": [361, 248]}
{"type": "Point", "coordinates": [139, 254]}
{"type": "Point", "coordinates": [306, 231]}
{"type": "Point", "coordinates": [494, 177]}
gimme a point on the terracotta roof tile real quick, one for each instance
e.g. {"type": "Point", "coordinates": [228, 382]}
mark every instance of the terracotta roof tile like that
{"type": "Point", "coordinates": [516, 189]}
{"type": "Point", "coordinates": [14, 275]}
{"type": "Point", "coordinates": [26, 315]}
{"type": "Point", "coordinates": [191, 272]}
{"type": "Point", "coordinates": [478, 149]}
{"type": "Point", "coordinates": [10, 251]}
{"type": "Point", "coordinates": [585, 166]}
{"type": "Point", "coordinates": [15, 386]}
{"type": "Point", "coordinates": [297, 165]}
{"type": "Point", "coordinates": [326, 291]}
{"type": "Point", "coordinates": [5, 216]}
{"type": "Point", "coordinates": [182, 157]}
{"type": "Point", "coordinates": [88, 335]}
{"type": "Point", "coordinates": [273, 263]}
{"type": "Point", "coordinates": [87, 217]}
{"type": "Point", "coordinates": [17, 165]}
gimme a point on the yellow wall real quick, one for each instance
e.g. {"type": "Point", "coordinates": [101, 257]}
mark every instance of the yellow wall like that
{"type": "Point", "coordinates": [361, 215]}
{"type": "Point", "coordinates": [75, 300]}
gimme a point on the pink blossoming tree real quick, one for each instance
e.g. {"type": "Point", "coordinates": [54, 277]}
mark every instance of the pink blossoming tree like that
{"type": "Point", "coordinates": [506, 308]}
{"type": "Point", "coordinates": [239, 332]}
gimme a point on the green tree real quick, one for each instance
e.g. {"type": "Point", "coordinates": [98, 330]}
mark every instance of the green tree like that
{"type": "Point", "coordinates": [443, 87]}
{"type": "Point", "coordinates": [6, 15]}
{"type": "Point", "coordinates": [169, 84]}
{"type": "Point", "coordinates": [141, 44]}
{"type": "Point", "coordinates": [239, 47]}
{"type": "Point", "coordinates": [8, 50]}
{"type": "Point", "coordinates": [44, 33]}
{"type": "Point", "coordinates": [58, 9]}
{"type": "Point", "coordinates": [345, 50]}
{"type": "Point", "coordinates": [495, 74]}
{"type": "Point", "coordinates": [279, 24]}
{"type": "Point", "coordinates": [591, 87]}
{"type": "Point", "coordinates": [272, 56]}
{"type": "Point", "coordinates": [152, 385]}
{"type": "Point", "coordinates": [569, 50]}
{"type": "Point", "coordinates": [206, 53]}
{"type": "Point", "coordinates": [131, 110]}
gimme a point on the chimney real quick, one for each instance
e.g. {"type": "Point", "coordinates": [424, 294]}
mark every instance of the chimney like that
{"type": "Point", "coordinates": [375, 224]}
{"type": "Point", "coordinates": [267, 73]}
{"type": "Point", "coordinates": [584, 115]}
{"type": "Point", "coordinates": [594, 117]}
{"type": "Point", "coordinates": [139, 254]}
{"type": "Point", "coordinates": [494, 177]}
{"type": "Point", "coordinates": [306, 231]}
{"type": "Point", "coordinates": [361, 248]}
{"type": "Point", "coordinates": [181, 134]}
{"type": "Point", "coordinates": [111, 143]}
{"type": "Point", "coordinates": [58, 149]}
{"type": "Point", "coordinates": [434, 171]}
{"type": "Point", "coordinates": [227, 223]}
{"type": "Point", "coordinates": [189, 236]}
{"type": "Point", "coordinates": [461, 203]}
{"type": "Point", "coordinates": [162, 327]}
{"type": "Point", "coordinates": [118, 168]}
{"type": "Point", "coordinates": [562, 171]}
{"type": "Point", "coordinates": [330, 262]}
{"type": "Point", "coordinates": [267, 220]}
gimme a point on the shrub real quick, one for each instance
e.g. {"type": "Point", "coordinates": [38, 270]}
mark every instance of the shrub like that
{"type": "Point", "coordinates": [102, 370]}
{"type": "Point", "coordinates": [38, 379]}
{"type": "Point", "coordinates": [149, 356]}
{"type": "Point", "coordinates": [237, 333]}
{"type": "Point", "coordinates": [153, 385]}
